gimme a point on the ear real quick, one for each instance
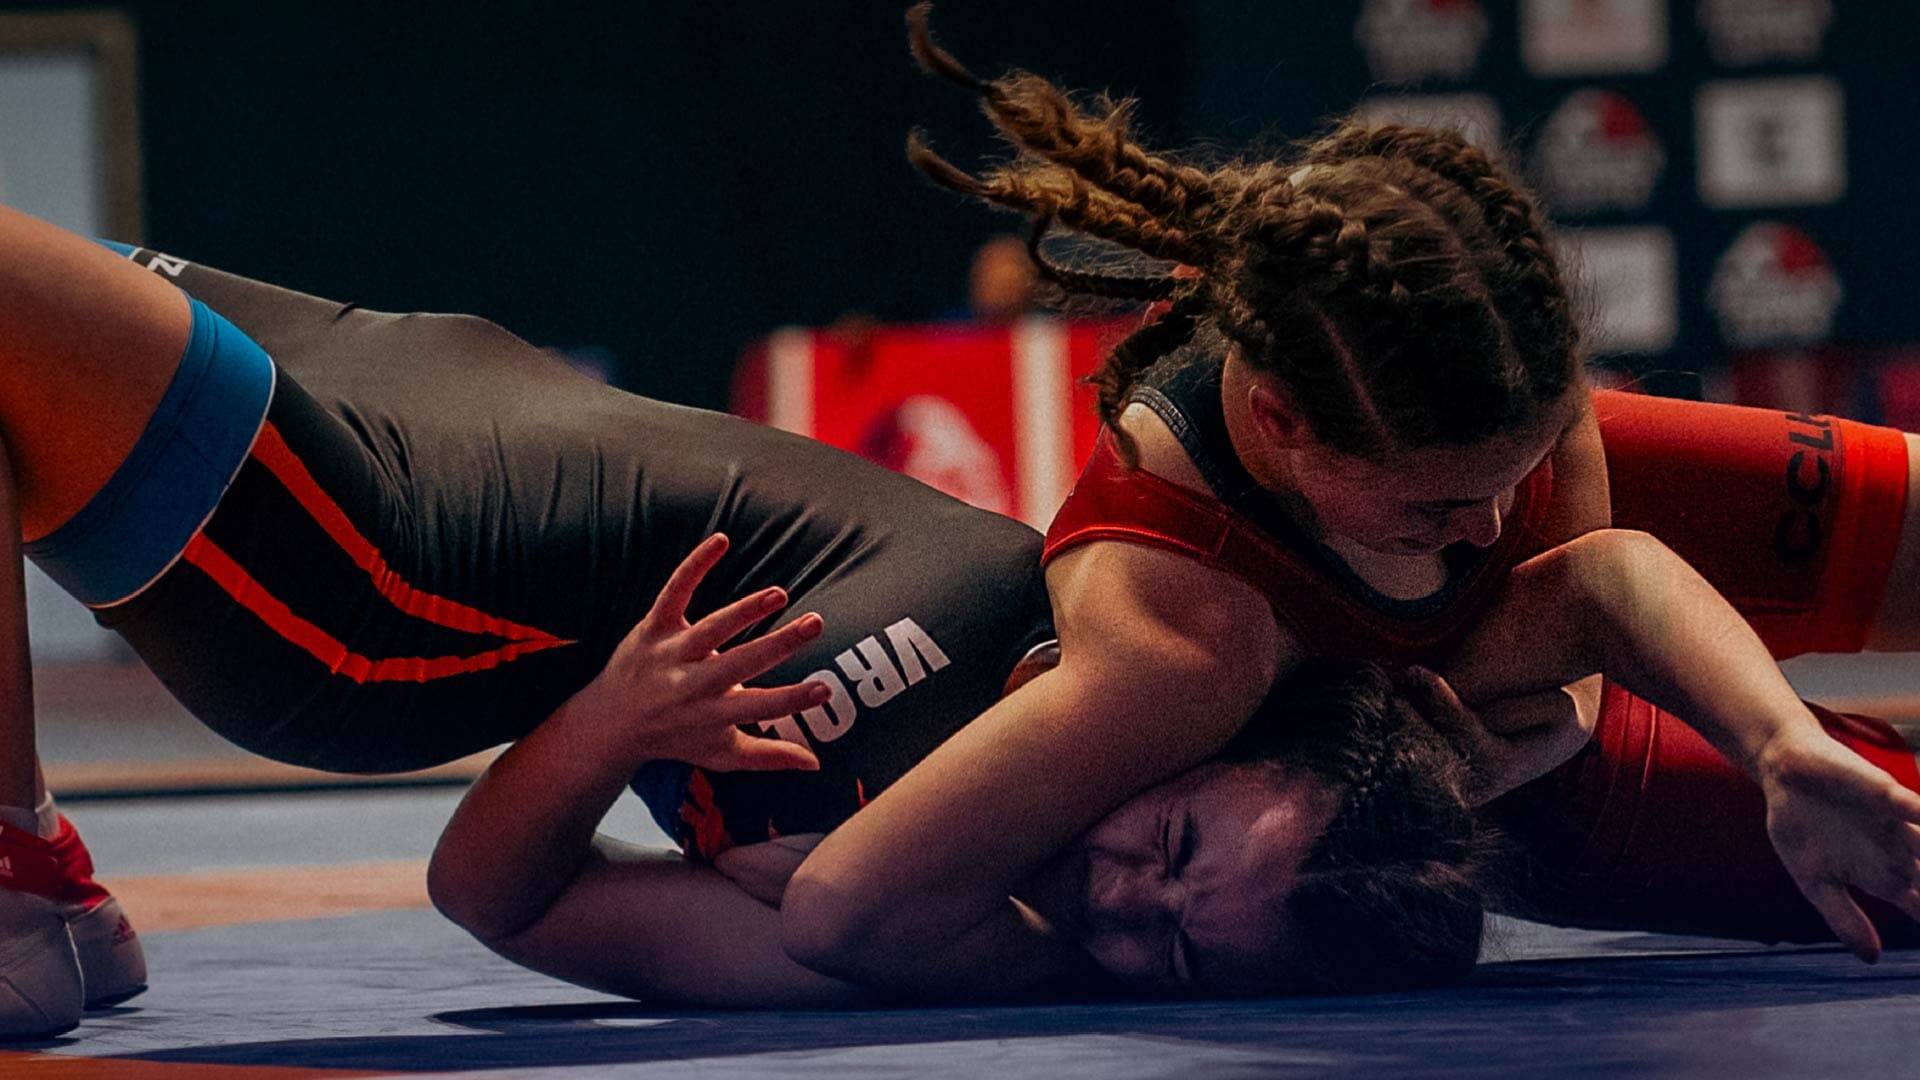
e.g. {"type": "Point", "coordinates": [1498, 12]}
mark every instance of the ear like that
{"type": "Point", "coordinates": [1275, 416]}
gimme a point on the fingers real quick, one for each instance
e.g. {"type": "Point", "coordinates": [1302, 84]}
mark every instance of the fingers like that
{"type": "Point", "coordinates": [751, 704]}
{"type": "Point", "coordinates": [670, 607]}
{"type": "Point", "coordinates": [756, 657]}
{"type": "Point", "coordinates": [746, 753]}
{"type": "Point", "coordinates": [1844, 917]}
{"type": "Point", "coordinates": [726, 624]}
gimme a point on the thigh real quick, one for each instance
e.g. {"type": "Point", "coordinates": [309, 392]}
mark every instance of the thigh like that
{"type": "Point", "coordinates": [1895, 625]}
{"type": "Point", "coordinates": [1794, 518]}
{"type": "Point", "coordinates": [88, 346]}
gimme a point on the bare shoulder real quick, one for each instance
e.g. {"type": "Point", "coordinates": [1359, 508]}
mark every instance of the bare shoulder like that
{"type": "Point", "coordinates": [1136, 614]}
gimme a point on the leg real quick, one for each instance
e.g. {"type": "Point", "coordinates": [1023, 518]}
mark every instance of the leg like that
{"type": "Point", "coordinates": [89, 347]}
{"type": "Point", "coordinates": [1794, 519]}
{"type": "Point", "coordinates": [1896, 622]}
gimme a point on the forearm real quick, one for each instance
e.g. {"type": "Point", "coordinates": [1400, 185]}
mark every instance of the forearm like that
{"type": "Point", "coordinates": [1668, 636]}
{"type": "Point", "coordinates": [650, 924]}
{"type": "Point", "coordinates": [1005, 950]}
{"type": "Point", "coordinates": [524, 831]}
{"type": "Point", "coordinates": [1621, 604]}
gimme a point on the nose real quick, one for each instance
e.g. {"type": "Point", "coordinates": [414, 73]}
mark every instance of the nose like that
{"type": "Point", "coordinates": [1133, 896]}
{"type": "Point", "coordinates": [1478, 524]}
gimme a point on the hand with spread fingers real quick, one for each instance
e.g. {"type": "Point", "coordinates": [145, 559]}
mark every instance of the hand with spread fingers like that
{"type": "Point", "coordinates": [670, 691]}
{"type": "Point", "coordinates": [1839, 824]}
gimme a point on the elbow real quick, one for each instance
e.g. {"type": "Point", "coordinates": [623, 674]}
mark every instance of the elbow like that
{"type": "Point", "coordinates": [450, 893]}
{"type": "Point", "coordinates": [462, 894]}
{"type": "Point", "coordinates": [825, 928]}
{"type": "Point", "coordinates": [1608, 574]}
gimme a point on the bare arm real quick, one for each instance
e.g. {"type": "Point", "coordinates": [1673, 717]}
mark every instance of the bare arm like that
{"type": "Point", "coordinates": [1621, 603]}
{"type": "Point", "coordinates": [521, 868]}
{"type": "Point", "coordinates": [519, 865]}
{"type": "Point", "coordinates": [1161, 661]}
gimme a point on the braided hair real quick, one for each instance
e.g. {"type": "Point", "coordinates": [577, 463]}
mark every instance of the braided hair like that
{"type": "Point", "coordinates": [1394, 280]}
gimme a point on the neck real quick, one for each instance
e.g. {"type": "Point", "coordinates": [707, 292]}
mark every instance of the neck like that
{"type": "Point", "coordinates": [1267, 465]}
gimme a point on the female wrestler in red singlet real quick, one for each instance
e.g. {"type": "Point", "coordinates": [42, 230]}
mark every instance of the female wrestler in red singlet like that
{"type": "Point", "coordinates": [1399, 386]}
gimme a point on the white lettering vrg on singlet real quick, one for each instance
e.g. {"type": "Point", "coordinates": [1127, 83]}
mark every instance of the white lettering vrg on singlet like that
{"type": "Point", "coordinates": [867, 673]}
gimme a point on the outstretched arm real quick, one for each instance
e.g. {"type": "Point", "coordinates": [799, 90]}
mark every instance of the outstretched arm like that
{"type": "Point", "coordinates": [520, 867]}
{"type": "Point", "coordinates": [1623, 604]}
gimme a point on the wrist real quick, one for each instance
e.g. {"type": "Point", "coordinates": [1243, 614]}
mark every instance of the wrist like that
{"type": "Point", "coordinates": [1782, 754]}
{"type": "Point", "coordinates": [583, 733]}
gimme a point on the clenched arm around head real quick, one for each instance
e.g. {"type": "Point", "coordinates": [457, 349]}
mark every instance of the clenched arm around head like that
{"type": "Point", "coordinates": [1162, 659]}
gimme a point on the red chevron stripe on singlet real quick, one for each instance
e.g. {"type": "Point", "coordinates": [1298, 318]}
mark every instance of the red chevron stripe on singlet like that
{"type": "Point", "coordinates": [279, 459]}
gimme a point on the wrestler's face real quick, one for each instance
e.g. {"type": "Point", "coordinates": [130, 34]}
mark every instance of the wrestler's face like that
{"type": "Point", "coordinates": [1184, 888]}
{"type": "Point", "coordinates": [1421, 501]}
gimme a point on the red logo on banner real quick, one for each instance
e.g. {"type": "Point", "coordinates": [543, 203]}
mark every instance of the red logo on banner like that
{"type": "Point", "coordinates": [1598, 152]}
{"type": "Point", "coordinates": [1410, 40]}
{"type": "Point", "coordinates": [1774, 286]}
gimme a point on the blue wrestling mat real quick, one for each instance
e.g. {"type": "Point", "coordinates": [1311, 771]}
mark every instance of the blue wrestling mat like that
{"type": "Point", "coordinates": [401, 991]}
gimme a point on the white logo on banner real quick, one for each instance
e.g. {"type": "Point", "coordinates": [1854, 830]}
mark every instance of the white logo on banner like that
{"type": "Point", "coordinates": [1754, 31]}
{"type": "Point", "coordinates": [1626, 282]}
{"type": "Point", "coordinates": [1774, 286]}
{"type": "Point", "coordinates": [930, 439]}
{"type": "Point", "coordinates": [1597, 151]}
{"type": "Point", "coordinates": [1474, 116]}
{"type": "Point", "coordinates": [1770, 142]}
{"type": "Point", "coordinates": [1592, 37]}
{"type": "Point", "coordinates": [1410, 40]}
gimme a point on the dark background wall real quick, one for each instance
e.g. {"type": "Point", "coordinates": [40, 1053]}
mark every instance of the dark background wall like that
{"type": "Point", "coordinates": [667, 180]}
{"type": "Point", "coordinates": [661, 180]}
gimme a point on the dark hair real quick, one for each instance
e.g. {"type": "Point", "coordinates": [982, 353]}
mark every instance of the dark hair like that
{"type": "Point", "coordinates": [1393, 894]}
{"type": "Point", "coordinates": [1401, 290]}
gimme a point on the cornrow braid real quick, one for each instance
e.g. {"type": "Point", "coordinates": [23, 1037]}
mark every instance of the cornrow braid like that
{"type": "Point", "coordinates": [1115, 378]}
{"type": "Point", "coordinates": [1393, 281]}
{"type": "Point", "coordinates": [1145, 288]}
{"type": "Point", "coordinates": [1510, 212]}
{"type": "Point", "coordinates": [1061, 194]}
{"type": "Point", "coordinates": [1042, 119]}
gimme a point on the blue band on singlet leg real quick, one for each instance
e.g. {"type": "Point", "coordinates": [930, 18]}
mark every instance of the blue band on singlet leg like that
{"type": "Point", "coordinates": [136, 526]}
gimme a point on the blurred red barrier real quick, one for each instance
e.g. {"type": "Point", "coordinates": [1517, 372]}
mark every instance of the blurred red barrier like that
{"type": "Point", "coordinates": [994, 415]}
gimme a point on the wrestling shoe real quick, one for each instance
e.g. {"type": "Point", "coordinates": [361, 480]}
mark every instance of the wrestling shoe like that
{"type": "Point", "coordinates": [41, 992]}
{"type": "Point", "coordinates": [112, 962]}
{"type": "Point", "coordinates": [54, 877]}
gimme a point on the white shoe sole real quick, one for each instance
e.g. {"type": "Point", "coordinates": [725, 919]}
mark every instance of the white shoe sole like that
{"type": "Point", "coordinates": [41, 993]}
